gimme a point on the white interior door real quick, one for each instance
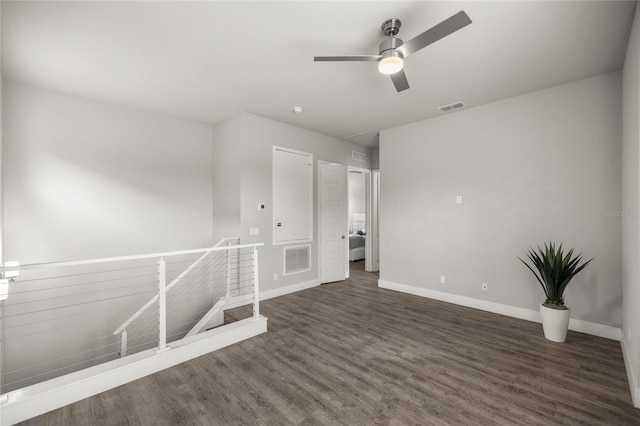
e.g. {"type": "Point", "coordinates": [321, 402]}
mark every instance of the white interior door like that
{"type": "Point", "coordinates": [333, 222]}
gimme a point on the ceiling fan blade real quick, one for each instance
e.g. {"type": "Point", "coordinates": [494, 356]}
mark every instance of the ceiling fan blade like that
{"type": "Point", "coordinates": [347, 58]}
{"type": "Point", "coordinates": [400, 81]}
{"type": "Point", "coordinates": [433, 34]}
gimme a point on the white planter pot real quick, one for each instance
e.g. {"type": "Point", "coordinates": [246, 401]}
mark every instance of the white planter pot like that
{"type": "Point", "coordinates": [555, 323]}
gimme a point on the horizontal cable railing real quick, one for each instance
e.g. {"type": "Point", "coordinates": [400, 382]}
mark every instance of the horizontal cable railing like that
{"type": "Point", "coordinates": [215, 276]}
{"type": "Point", "coordinates": [60, 317]}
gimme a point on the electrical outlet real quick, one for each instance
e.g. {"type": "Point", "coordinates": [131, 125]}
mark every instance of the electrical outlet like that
{"type": "Point", "coordinates": [275, 276]}
{"type": "Point", "coordinates": [459, 199]}
{"type": "Point", "coordinates": [485, 287]}
{"type": "Point", "coordinates": [442, 279]}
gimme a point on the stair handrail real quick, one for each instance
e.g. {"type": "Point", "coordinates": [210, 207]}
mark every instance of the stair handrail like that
{"type": "Point", "coordinates": [30, 266]}
{"type": "Point", "coordinates": [173, 283]}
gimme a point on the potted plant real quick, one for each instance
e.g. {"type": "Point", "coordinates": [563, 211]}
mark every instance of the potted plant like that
{"type": "Point", "coordinates": [554, 270]}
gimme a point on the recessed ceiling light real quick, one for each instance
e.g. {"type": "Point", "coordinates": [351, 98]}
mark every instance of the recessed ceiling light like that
{"type": "Point", "coordinates": [298, 110]}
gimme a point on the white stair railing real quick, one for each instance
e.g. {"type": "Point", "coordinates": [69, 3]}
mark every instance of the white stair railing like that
{"type": "Point", "coordinates": [214, 312]}
{"type": "Point", "coordinates": [60, 317]}
{"type": "Point", "coordinates": [236, 294]}
{"type": "Point", "coordinates": [226, 244]}
{"type": "Point", "coordinates": [57, 320]}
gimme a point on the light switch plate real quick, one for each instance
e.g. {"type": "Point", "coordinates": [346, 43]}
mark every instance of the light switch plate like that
{"type": "Point", "coordinates": [254, 231]}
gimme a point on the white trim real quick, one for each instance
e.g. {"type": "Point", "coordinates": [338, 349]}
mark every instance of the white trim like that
{"type": "Point", "coordinates": [634, 386]}
{"type": "Point", "coordinates": [368, 200]}
{"type": "Point", "coordinates": [41, 398]}
{"type": "Point", "coordinates": [281, 291]}
{"type": "Point", "coordinates": [581, 326]}
{"type": "Point", "coordinates": [247, 299]}
{"type": "Point", "coordinates": [374, 226]}
{"type": "Point", "coordinates": [273, 195]}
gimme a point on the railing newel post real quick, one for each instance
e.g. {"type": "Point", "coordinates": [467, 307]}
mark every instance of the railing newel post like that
{"type": "Point", "coordinates": [228, 267]}
{"type": "Point", "coordinates": [123, 343]}
{"type": "Point", "coordinates": [162, 305]}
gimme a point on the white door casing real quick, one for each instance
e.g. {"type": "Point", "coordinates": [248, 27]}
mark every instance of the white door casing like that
{"type": "Point", "coordinates": [371, 201]}
{"type": "Point", "coordinates": [373, 264]}
{"type": "Point", "coordinates": [332, 218]}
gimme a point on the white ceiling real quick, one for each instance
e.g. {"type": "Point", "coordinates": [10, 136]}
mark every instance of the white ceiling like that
{"type": "Point", "coordinates": [209, 60]}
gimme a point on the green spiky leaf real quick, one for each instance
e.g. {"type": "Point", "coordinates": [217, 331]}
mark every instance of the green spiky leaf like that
{"type": "Point", "coordinates": [554, 270]}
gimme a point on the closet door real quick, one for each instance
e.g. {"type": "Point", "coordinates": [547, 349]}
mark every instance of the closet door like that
{"type": "Point", "coordinates": [292, 196]}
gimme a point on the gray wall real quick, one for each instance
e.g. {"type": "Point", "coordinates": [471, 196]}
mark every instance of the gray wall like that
{"type": "Point", "coordinates": [631, 203]}
{"type": "Point", "coordinates": [258, 137]}
{"type": "Point", "coordinates": [226, 178]}
{"type": "Point", "coordinates": [374, 156]}
{"type": "Point", "coordinates": [532, 168]}
{"type": "Point", "coordinates": [86, 179]}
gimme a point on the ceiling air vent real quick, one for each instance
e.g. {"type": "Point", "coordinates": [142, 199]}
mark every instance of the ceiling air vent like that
{"type": "Point", "coordinates": [450, 107]}
{"type": "Point", "coordinates": [358, 156]}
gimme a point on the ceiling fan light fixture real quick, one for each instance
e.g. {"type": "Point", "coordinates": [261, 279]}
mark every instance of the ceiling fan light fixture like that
{"type": "Point", "coordinates": [390, 65]}
{"type": "Point", "coordinates": [392, 50]}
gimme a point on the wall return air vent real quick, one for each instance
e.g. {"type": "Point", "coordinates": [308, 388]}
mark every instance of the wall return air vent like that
{"type": "Point", "coordinates": [297, 259]}
{"type": "Point", "coordinates": [358, 156]}
{"type": "Point", "coordinates": [450, 107]}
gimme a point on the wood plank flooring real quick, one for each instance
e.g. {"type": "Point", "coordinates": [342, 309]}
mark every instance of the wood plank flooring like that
{"type": "Point", "coordinates": [353, 354]}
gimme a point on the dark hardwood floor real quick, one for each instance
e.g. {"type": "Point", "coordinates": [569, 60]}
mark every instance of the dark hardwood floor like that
{"type": "Point", "coordinates": [351, 353]}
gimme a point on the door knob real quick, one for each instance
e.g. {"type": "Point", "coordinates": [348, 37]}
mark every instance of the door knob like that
{"type": "Point", "coordinates": [343, 237]}
{"type": "Point", "coordinates": [279, 224]}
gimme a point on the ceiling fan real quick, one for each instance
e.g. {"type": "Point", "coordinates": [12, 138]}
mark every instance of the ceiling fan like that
{"type": "Point", "coordinates": [392, 50]}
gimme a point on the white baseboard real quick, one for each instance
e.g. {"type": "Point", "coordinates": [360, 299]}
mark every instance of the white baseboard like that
{"type": "Point", "coordinates": [247, 299]}
{"type": "Point", "coordinates": [581, 326]}
{"type": "Point", "coordinates": [237, 301]}
{"type": "Point", "coordinates": [634, 386]}
{"type": "Point", "coordinates": [281, 291]}
{"type": "Point", "coordinates": [41, 398]}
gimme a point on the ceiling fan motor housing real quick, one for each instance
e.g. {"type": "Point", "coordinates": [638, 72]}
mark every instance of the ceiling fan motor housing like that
{"type": "Point", "coordinates": [390, 28]}
{"type": "Point", "coordinates": [388, 46]}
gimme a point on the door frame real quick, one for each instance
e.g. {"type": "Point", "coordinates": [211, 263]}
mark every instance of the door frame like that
{"type": "Point", "coordinates": [368, 241]}
{"type": "Point", "coordinates": [319, 215]}
{"type": "Point", "coordinates": [373, 264]}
